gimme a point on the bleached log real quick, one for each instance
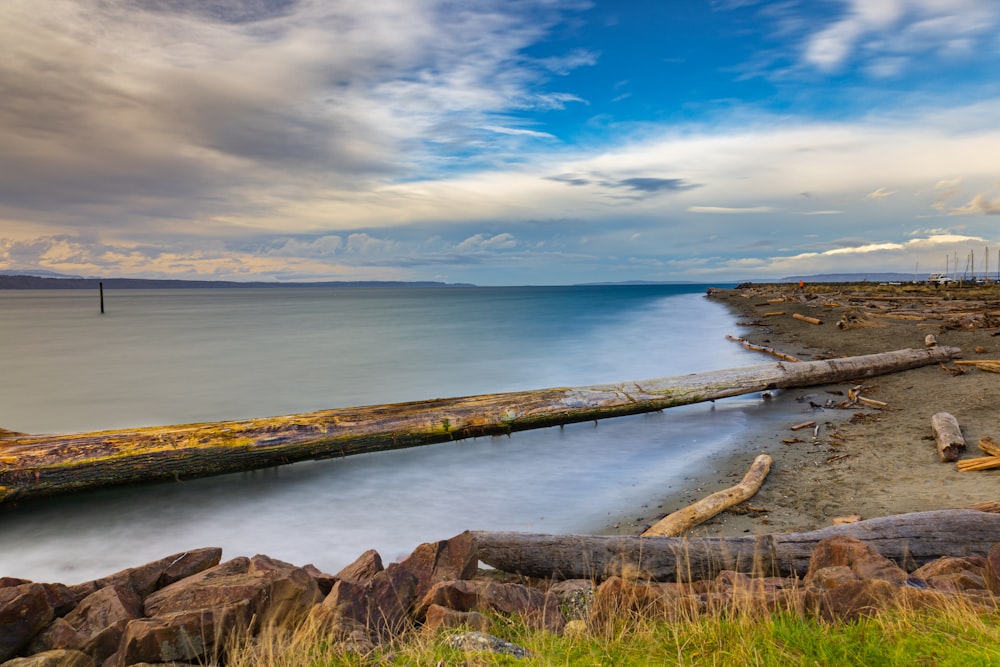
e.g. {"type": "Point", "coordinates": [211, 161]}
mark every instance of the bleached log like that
{"type": "Point", "coordinates": [32, 466]}
{"type": "Point", "coordinates": [909, 539]}
{"type": "Point", "coordinates": [686, 518]}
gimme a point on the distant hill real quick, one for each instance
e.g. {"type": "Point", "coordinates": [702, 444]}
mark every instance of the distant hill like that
{"type": "Point", "coordinates": [44, 282]}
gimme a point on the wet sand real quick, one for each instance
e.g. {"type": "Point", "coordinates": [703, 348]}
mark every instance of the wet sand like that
{"type": "Point", "coordinates": [862, 461]}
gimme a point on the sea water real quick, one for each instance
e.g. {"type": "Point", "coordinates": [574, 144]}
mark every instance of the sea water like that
{"type": "Point", "coordinates": [161, 357]}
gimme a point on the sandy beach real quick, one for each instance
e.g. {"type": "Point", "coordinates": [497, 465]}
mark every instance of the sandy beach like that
{"type": "Point", "coordinates": [862, 460]}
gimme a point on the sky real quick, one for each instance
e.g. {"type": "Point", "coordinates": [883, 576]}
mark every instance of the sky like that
{"type": "Point", "coordinates": [502, 142]}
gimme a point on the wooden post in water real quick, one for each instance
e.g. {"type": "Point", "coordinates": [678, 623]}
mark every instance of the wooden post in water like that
{"type": "Point", "coordinates": [100, 286]}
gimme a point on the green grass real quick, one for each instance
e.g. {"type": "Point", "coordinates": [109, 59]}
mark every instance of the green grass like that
{"type": "Point", "coordinates": [950, 637]}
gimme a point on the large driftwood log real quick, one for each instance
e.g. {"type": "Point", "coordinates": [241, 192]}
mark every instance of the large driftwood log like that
{"type": "Point", "coordinates": [909, 539]}
{"type": "Point", "coordinates": [686, 518]}
{"type": "Point", "coordinates": [46, 465]}
{"type": "Point", "coordinates": [947, 436]}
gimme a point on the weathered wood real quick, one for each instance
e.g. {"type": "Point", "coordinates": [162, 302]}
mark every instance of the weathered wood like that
{"type": "Point", "coordinates": [909, 539]}
{"type": "Point", "coordinates": [982, 463]}
{"type": "Point", "coordinates": [989, 445]}
{"type": "Point", "coordinates": [947, 436]}
{"type": "Point", "coordinates": [33, 466]}
{"type": "Point", "coordinates": [762, 348]}
{"type": "Point", "coordinates": [686, 518]}
{"type": "Point", "coordinates": [806, 318]}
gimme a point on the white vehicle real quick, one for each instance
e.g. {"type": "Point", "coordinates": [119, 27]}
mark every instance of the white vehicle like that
{"type": "Point", "coordinates": [939, 279]}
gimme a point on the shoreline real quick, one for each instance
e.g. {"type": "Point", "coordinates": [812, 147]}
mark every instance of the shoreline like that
{"type": "Point", "coordinates": [863, 461]}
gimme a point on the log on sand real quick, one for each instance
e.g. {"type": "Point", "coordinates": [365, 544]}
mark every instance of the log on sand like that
{"type": "Point", "coordinates": [909, 539]}
{"type": "Point", "coordinates": [692, 515]}
{"type": "Point", "coordinates": [947, 436]}
{"type": "Point", "coordinates": [33, 466]}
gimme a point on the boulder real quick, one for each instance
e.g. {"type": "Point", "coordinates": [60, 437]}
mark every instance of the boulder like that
{"type": "Point", "coordinates": [438, 617]}
{"type": "Point", "coordinates": [865, 562]}
{"type": "Point", "coordinates": [94, 627]}
{"type": "Point", "coordinates": [446, 560]}
{"type": "Point", "coordinates": [56, 658]}
{"type": "Point", "coordinates": [618, 598]}
{"type": "Point", "coordinates": [991, 573]}
{"type": "Point", "coordinates": [366, 566]}
{"type": "Point", "coordinates": [276, 592]}
{"type": "Point", "coordinates": [480, 642]}
{"type": "Point", "coordinates": [539, 610]}
{"type": "Point", "coordinates": [576, 597]}
{"type": "Point", "coordinates": [147, 578]}
{"type": "Point", "coordinates": [950, 565]}
{"type": "Point", "coordinates": [323, 580]}
{"type": "Point", "coordinates": [381, 605]}
{"type": "Point", "coordinates": [24, 611]}
{"type": "Point", "coordinates": [186, 636]}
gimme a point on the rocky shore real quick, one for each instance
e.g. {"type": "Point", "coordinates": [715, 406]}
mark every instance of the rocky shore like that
{"type": "Point", "coordinates": [190, 608]}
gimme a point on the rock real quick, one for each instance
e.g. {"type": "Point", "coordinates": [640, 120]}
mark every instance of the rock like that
{"type": "Point", "coordinates": [186, 636]}
{"type": "Point", "coordinates": [24, 611]}
{"type": "Point", "coordinates": [60, 597]}
{"type": "Point", "coordinates": [863, 560]}
{"type": "Point", "coordinates": [381, 605]}
{"type": "Point", "coordinates": [539, 610]}
{"type": "Point", "coordinates": [480, 642]}
{"type": "Point", "coordinates": [617, 598]}
{"type": "Point", "coordinates": [854, 599]}
{"type": "Point", "coordinates": [576, 597]}
{"type": "Point", "coordinates": [95, 626]}
{"type": "Point", "coordinates": [366, 566]}
{"type": "Point", "coordinates": [6, 582]}
{"type": "Point", "coordinates": [446, 560]}
{"type": "Point", "coordinates": [56, 658]}
{"type": "Point", "coordinates": [277, 593]}
{"type": "Point", "coordinates": [957, 581]}
{"type": "Point", "coordinates": [950, 565]}
{"type": "Point", "coordinates": [991, 573]}
{"type": "Point", "coordinates": [147, 578]}
{"type": "Point", "coordinates": [323, 580]}
{"type": "Point", "coordinates": [832, 576]}
{"type": "Point", "coordinates": [438, 617]}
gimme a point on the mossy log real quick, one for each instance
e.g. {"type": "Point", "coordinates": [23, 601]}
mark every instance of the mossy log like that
{"type": "Point", "coordinates": [909, 539]}
{"type": "Point", "coordinates": [42, 465]}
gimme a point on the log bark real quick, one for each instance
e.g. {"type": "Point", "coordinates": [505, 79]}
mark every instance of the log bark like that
{"type": "Point", "coordinates": [947, 436]}
{"type": "Point", "coordinates": [762, 348]}
{"type": "Point", "coordinates": [909, 539]}
{"type": "Point", "coordinates": [684, 519]}
{"type": "Point", "coordinates": [32, 466]}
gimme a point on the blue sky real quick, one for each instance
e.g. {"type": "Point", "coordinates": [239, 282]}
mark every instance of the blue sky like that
{"type": "Point", "coordinates": [515, 142]}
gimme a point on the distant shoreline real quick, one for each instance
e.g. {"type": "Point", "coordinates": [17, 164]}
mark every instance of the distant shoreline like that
{"type": "Point", "coordinates": [39, 282]}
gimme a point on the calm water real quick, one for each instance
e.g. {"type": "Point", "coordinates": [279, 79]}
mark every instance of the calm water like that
{"type": "Point", "coordinates": [164, 357]}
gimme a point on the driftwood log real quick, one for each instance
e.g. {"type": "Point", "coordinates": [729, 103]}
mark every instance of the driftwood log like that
{"type": "Point", "coordinates": [947, 436]}
{"type": "Point", "coordinates": [688, 517]}
{"type": "Point", "coordinates": [909, 539]}
{"type": "Point", "coordinates": [32, 466]}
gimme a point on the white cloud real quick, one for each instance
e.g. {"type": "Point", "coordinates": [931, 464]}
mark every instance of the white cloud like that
{"type": "Point", "coordinates": [881, 193]}
{"type": "Point", "coordinates": [729, 209]}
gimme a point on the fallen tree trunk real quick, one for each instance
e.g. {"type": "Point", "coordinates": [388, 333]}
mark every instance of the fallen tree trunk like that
{"type": "Point", "coordinates": [909, 539]}
{"type": "Point", "coordinates": [46, 465]}
{"type": "Point", "coordinates": [686, 518]}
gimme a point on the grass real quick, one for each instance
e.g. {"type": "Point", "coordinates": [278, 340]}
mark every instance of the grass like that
{"type": "Point", "coordinates": [952, 636]}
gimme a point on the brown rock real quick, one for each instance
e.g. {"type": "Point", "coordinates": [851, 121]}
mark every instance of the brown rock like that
{"type": "Point", "coordinates": [863, 560]}
{"type": "Point", "coordinates": [381, 605]}
{"type": "Point", "coordinates": [957, 581]}
{"type": "Point", "coordinates": [94, 627]}
{"type": "Point", "coordinates": [323, 580]}
{"type": "Point", "coordinates": [13, 581]}
{"type": "Point", "coordinates": [950, 565]}
{"type": "Point", "coordinates": [276, 594]}
{"type": "Point", "coordinates": [56, 658]}
{"type": "Point", "coordinates": [991, 572]}
{"type": "Point", "coordinates": [854, 599]}
{"type": "Point", "coordinates": [147, 578]}
{"type": "Point", "coordinates": [438, 617]}
{"type": "Point", "coordinates": [366, 566]}
{"type": "Point", "coordinates": [24, 611]}
{"type": "Point", "coordinates": [832, 576]}
{"type": "Point", "coordinates": [447, 560]}
{"type": "Point", "coordinates": [187, 636]}
{"type": "Point", "coordinates": [538, 609]}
